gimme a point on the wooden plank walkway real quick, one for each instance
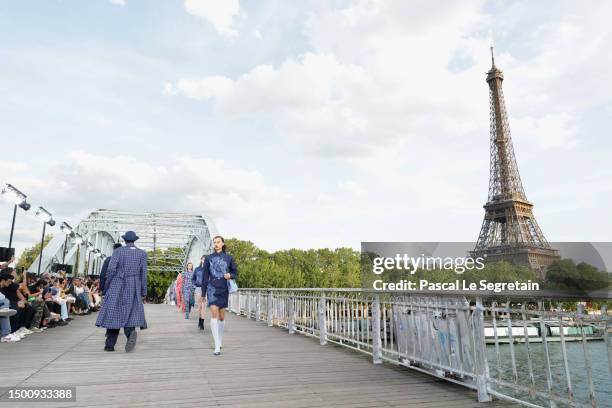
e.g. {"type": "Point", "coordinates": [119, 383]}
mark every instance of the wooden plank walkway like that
{"type": "Point", "coordinates": [173, 365]}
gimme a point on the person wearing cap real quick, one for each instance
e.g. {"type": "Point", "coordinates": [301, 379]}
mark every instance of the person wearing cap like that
{"type": "Point", "coordinates": [105, 269]}
{"type": "Point", "coordinates": [126, 287]}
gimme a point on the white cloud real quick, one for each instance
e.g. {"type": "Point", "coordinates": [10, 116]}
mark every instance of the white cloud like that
{"type": "Point", "coordinates": [205, 185]}
{"type": "Point", "coordinates": [169, 89]}
{"type": "Point", "coordinates": [219, 13]}
{"type": "Point", "coordinates": [359, 88]}
{"type": "Point", "coordinates": [204, 88]}
{"type": "Point", "coordinates": [120, 3]}
{"type": "Point", "coordinates": [393, 91]}
{"type": "Point", "coordinates": [382, 71]}
{"type": "Point", "coordinates": [239, 200]}
{"type": "Point", "coordinates": [354, 188]}
{"type": "Point", "coordinates": [554, 130]}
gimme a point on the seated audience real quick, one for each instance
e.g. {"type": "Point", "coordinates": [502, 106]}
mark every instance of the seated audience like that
{"type": "Point", "coordinates": [25, 313]}
{"type": "Point", "coordinates": [30, 303]}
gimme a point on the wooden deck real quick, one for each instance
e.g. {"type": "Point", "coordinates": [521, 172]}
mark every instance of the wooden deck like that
{"type": "Point", "coordinates": [173, 365]}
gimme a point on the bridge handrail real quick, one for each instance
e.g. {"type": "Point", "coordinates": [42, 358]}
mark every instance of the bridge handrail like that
{"type": "Point", "coordinates": [442, 334]}
{"type": "Point", "coordinates": [603, 295]}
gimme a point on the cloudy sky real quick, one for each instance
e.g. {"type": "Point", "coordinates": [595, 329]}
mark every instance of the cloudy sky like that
{"type": "Point", "coordinates": [305, 124]}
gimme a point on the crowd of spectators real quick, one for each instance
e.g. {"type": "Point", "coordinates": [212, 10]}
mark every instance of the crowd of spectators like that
{"type": "Point", "coordinates": [31, 304]}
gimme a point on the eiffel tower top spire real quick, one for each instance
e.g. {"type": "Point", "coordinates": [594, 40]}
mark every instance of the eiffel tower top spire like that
{"type": "Point", "coordinates": [505, 181]}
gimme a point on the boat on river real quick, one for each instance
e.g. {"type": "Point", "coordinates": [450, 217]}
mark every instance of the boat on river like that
{"type": "Point", "coordinates": [571, 332]}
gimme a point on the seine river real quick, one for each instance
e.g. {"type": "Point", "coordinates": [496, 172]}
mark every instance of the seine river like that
{"type": "Point", "coordinates": [599, 361]}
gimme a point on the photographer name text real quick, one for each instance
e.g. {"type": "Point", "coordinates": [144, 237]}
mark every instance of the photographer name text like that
{"type": "Point", "coordinates": [457, 285]}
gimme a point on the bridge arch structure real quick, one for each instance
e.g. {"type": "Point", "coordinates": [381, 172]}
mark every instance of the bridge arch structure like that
{"type": "Point", "coordinates": [172, 240]}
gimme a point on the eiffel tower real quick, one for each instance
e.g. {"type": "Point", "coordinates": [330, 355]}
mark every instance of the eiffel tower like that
{"type": "Point", "coordinates": [509, 231]}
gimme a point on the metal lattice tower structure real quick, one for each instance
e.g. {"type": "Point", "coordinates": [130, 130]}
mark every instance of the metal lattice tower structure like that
{"type": "Point", "coordinates": [172, 239]}
{"type": "Point", "coordinates": [509, 231]}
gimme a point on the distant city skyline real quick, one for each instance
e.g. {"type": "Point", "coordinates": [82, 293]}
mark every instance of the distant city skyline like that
{"type": "Point", "coordinates": [311, 124]}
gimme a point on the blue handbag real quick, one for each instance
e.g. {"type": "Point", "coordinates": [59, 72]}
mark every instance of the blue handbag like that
{"type": "Point", "coordinates": [232, 286]}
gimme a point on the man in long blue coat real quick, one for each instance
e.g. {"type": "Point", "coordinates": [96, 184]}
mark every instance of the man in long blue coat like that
{"type": "Point", "coordinates": [126, 287]}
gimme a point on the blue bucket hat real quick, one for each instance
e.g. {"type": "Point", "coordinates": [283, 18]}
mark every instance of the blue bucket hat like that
{"type": "Point", "coordinates": [130, 236]}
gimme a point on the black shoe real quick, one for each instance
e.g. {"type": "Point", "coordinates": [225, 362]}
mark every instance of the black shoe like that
{"type": "Point", "coordinates": [201, 324]}
{"type": "Point", "coordinates": [62, 323]}
{"type": "Point", "coordinates": [131, 342]}
{"type": "Point", "coordinates": [109, 349]}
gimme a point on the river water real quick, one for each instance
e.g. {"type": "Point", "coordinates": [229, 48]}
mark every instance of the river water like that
{"type": "Point", "coordinates": [602, 378]}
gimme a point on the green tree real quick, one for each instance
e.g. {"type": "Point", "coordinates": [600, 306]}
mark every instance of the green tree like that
{"type": "Point", "coordinates": [28, 255]}
{"type": "Point", "coordinates": [159, 280]}
{"type": "Point", "coordinates": [291, 268]}
{"type": "Point", "coordinates": [565, 274]}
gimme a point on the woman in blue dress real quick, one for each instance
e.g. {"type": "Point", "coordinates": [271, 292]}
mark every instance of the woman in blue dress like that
{"type": "Point", "coordinates": [188, 289]}
{"type": "Point", "coordinates": [219, 267]}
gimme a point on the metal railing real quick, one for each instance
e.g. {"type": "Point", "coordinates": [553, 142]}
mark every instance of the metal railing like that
{"type": "Point", "coordinates": [446, 335]}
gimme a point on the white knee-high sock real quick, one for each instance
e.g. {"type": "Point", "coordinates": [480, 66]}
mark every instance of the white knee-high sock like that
{"type": "Point", "coordinates": [221, 327]}
{"type": "Point", "coordinates": [214, 328]}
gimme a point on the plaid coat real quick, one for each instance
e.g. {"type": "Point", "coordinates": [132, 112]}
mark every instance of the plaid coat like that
{"type": "Point", "coordinates": [188, 289]}
{"type": "Point", "coordinates": [126, 282]}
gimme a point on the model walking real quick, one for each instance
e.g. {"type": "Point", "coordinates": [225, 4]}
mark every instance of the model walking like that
{"type": "Point", "coordinates": [126, 288]}
{"type": "Point", "coordinates": [219, 267]}
{"type": "Point", "coordinates": [179, 292]}
{"type": "Point", "coordinates": [200, 297]}
{"type": "Point", "coordinates": [188, 289]}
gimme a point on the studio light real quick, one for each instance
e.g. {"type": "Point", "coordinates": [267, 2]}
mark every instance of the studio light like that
{"type": "Point", "coordinates": [16, 197]}
{"type": "Point", "coordinates": [66, 229]}
{"type": "Point", "coordinates": [45, 216]}
{"type": "Point", "coordinates": [13, 194]}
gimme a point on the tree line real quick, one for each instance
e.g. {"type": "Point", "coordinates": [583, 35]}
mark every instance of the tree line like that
{"type": "Point", "coordinates": [347, 268]}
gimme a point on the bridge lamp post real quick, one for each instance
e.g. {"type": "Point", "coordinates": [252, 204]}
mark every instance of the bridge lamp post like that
{"type": "Point", "coordinates": [47, 218]}
{"type": "Point", "coordinates": [78, 240]}
{"type": "Point", "coordinates": [97, 255]}
{"type": "Point", "coordinates": [18, 199]}
{"type": "Point", "coordinates": [89, 249]}
{"type": "Point", "coordinates": [66, 229]}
